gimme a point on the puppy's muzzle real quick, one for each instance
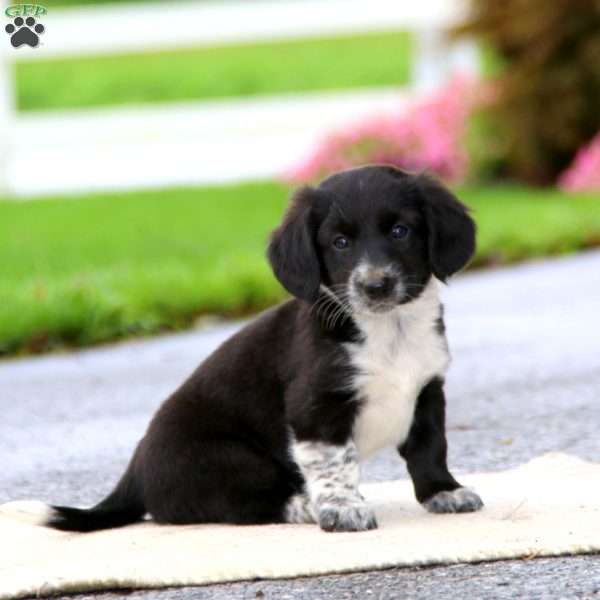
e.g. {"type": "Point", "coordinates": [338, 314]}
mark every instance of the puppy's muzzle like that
{"type": "Point", "coordinates": [377, 288]}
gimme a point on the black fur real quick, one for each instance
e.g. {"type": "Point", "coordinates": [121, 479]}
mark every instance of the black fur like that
{"type": "Point", "coordinates": [425, 449]}
{"type": "Point", "coordinates": [292, 251]}
{"type": "Point", "coordinates": [218, 449]}
{"type": "Point", "coordinates": [122, 506]}
{"type": "Point", "coordinates": [451, 235]}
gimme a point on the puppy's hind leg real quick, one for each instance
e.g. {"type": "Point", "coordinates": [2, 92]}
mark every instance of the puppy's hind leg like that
{"type": "Point", "coordinates": [215, 481]}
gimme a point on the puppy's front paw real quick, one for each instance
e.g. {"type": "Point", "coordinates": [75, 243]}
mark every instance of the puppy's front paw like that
{"type": "Point", "coordinates": [346, 516]}
{"type": "Point", "coordinates": [459, 500]}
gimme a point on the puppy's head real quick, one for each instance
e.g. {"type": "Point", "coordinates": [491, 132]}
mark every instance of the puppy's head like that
{"type": "Point", "coordinates": [372, 236]}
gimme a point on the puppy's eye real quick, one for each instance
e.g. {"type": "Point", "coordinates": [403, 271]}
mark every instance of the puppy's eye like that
{"type": "Point", "coordinates": [400, 231]}
{"type": "Point", "coordinates": [340, 242]}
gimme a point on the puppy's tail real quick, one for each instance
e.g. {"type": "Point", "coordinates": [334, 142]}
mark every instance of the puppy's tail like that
{"type": "Point", "coordinates": [124, 505]}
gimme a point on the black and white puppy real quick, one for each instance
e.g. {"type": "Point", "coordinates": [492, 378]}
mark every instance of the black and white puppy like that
{"type": "Point", "coordinates": [272, 426]}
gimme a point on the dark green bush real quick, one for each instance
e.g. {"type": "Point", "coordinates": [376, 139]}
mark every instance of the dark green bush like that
{"type": "Point", "coordinates": [548, 58]}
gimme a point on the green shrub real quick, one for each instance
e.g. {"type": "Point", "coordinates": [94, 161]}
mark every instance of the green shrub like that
{"type": "Point", "coordinates": [548, 95]}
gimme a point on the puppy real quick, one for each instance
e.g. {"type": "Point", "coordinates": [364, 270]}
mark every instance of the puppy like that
{"type": "Point", "coordinates": [272, 426]}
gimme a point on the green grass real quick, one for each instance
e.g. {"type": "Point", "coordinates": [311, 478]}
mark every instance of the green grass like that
{"type": "Point", "coordinates": [517, 223]}
{"type": "Point", "coordinates": [75, 272]}
{"type": "Point", "coordinates": [208, 73]}
{"type": "Point", "coordinates": [83, 271]}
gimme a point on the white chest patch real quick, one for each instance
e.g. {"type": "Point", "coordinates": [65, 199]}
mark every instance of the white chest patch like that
{"type": "Point", "coordinates": [400, 353]}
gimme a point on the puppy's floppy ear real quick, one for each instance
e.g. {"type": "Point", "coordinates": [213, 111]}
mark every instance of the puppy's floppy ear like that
{"type": "Point", "coordinates": [292, 251]}
{"type": "Point", "coordinates": [451, 229]}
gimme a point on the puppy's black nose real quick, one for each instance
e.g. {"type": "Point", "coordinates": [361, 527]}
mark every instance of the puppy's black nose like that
{"type": "Point", "coordinates": [378, 288]}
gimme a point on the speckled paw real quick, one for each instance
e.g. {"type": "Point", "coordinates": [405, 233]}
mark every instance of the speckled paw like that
{"type": "Point", "coordinates": [346, 517]}
{"type": "Point", "coordinates": [459, 500]}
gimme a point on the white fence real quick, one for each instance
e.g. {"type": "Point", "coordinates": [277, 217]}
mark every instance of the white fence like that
{"type": "Point", "coordinates": [87, 141]}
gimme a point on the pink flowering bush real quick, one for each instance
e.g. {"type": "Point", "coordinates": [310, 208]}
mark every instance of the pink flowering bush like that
{"type": "Point", "coordinates": [428, 135]}
{"type": "Point", "coordinates": [584, 172]}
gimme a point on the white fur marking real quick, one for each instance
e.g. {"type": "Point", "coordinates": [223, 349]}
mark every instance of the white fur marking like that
{"type": "Point", "coordinates": [33, 512]}
{"type": "Point", "coordinates": [299, 509]}
{"type": "Point", "coordinates": [331, 474]}
{"type": "Point", "coordinates": [401, 352]}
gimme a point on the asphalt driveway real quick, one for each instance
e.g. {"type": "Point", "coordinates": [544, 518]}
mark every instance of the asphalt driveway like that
{"type": "Point", "coordinates": [525, 380]}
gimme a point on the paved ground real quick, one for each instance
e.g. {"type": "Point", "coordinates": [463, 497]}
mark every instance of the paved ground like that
{"type": "Point", "coordinates": [525, 380]}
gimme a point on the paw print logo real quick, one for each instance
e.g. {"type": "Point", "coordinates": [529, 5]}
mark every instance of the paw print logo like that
{"type": "Point", "coordinates": [24, 31]}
